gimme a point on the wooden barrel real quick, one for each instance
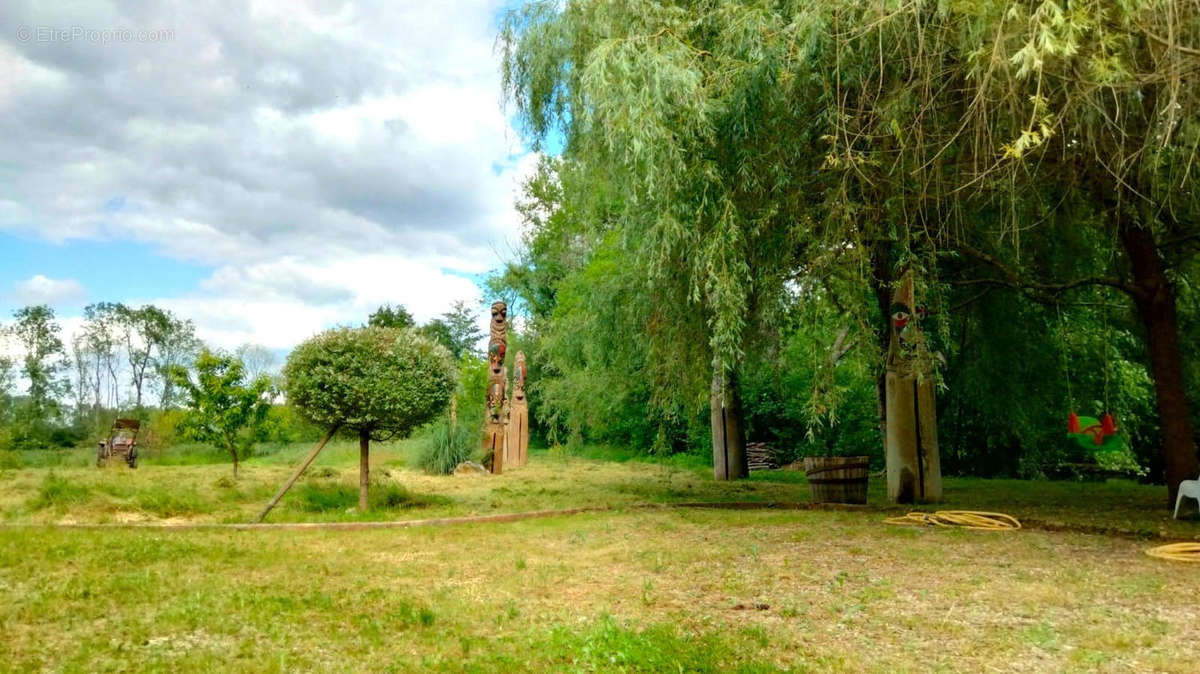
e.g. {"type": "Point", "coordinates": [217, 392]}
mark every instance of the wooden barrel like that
{"type": "Point", "coordinates": [837, 479]}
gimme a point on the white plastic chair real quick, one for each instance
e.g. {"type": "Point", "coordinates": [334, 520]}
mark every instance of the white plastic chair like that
{"type": "Point", "coordinates": [1190, 489]}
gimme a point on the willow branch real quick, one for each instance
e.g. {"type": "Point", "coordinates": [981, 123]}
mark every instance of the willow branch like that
{"type": "Point", "coordinates": [1174, 45]}
{"type": "Point", "coordinates": [1011, 279]}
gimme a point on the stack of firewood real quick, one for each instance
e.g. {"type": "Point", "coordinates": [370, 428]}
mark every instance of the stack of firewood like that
{"type": "Point", "coordinates": [761, 456]}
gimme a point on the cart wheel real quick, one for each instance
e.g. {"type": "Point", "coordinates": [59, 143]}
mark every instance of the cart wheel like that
{"type": "Point", "coordinates": [133, 457]}
{"type": "Point", "coordinates": [100, 457]}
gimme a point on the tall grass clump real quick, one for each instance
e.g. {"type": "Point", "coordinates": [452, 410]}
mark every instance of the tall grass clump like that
{"type": "Point", "coordinates": [445, 448]}
{"type": "Point", "coordinates": [173, 501]}
{"type": "Point", "coordinates": [319, 497]}
{"type": "Point", "coordinates": [56, 491]}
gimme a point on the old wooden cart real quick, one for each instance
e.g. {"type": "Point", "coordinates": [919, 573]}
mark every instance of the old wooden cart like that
{"type": "Point", "coordinates": [121, 442]}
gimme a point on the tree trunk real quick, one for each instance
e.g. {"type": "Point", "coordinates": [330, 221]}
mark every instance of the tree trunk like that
{"type": "Point", "coordinates": [1155, 300]}
{"type": "Point", "coordinates": [364, 468]}
{"type": "Point", "coordinates": [233, 453]}
{"type": "Point", "coordinates": [728, 438]}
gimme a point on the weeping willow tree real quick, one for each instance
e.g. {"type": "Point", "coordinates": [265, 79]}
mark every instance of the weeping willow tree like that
{"type": "Point", "coordinates": [677, 113]}
{"type": "Point", "coordinates": [1115, 92]}
{"type": "Point", "coordinates": [990, 130]}
{"type": "Point", "coordinates": [985, 131]}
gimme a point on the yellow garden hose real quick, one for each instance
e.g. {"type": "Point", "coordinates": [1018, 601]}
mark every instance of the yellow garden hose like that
{"type": "Point", "coordinates": [973, 519]}
{"type": "Point", "coordinates": [970, 519]}
{"type": "Point", "coordinates": [1177, 552]}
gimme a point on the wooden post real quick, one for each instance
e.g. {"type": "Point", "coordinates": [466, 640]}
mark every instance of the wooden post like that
{"type": "Point", "coordinates": [364, 468]}
{"type": "Point", "coordinates": [493, 446]}
{"type": "Point", "coordinates": [914, 470]}
{"type": "Point", "coordinates": [728, 438]}
{"type": "Point", "coordinates": [296, 475]}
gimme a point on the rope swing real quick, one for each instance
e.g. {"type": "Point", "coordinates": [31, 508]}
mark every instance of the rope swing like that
{"type": "Point", "coordinates": [967, 519]}
{"type": "Point", "coordinates": [1091, 433]}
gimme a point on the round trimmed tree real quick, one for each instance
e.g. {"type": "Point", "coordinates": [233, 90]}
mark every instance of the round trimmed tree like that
{"type": "Point", "coordinates": [380, 383]}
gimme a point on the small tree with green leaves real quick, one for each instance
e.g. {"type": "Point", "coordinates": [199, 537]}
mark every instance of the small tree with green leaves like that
{"type": "Point", "coordinates": [379, 382]}
{"type": "Point", "coordinates": [388, 316]}
{"type": "Point", "coordinates": [223, 409]}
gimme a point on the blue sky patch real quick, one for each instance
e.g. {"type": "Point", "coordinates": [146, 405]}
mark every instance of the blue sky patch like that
{"type": "Point", "coordinates": [110, 270]}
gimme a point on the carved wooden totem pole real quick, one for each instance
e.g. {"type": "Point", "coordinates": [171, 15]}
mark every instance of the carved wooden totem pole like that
{"type": "Point", "coordinates": [914, 470]}
{"type": "Point", "coordinates": [517, 443]}
{"type": "Point", "coordinates": [493, 421]}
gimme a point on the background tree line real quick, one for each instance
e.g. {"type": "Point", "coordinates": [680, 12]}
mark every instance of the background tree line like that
{"type": "Point", "coordinates": [146, 362]}
{"type": "Point", "coordinates": [118, 361]}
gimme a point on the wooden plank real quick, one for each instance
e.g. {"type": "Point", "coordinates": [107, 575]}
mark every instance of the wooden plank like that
{"type": "Point", "coordinates": [296, 476]}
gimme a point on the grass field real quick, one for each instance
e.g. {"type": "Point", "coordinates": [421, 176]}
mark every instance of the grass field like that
{"type": "Point", "coordinates": [634, 589]}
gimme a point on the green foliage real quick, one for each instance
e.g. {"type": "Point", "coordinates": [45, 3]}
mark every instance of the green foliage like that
{"type": "Point", "coordinates": [730, 166]}
{"type": "Point", "coordinates": [446, 447]}
{"type": "Point", "coordinates": [223, 409]}
{"type": "Point", "coordinates": [388, 316]}
{"type": "Point", "coordinates": [162, 429]}
{"type": "Point", "coordinates": [457, 330]}
{"type": "Point", "coordinates": [44, 363]}
{"type": "Point", "coordinates": [674, 187]}
{"type": "Point", "coordinates": [807, 406]}
{"type": "Point", "coordinates": [471, 391]}
{"type": "Point", "coordinates": [285, 424]}
{"type": "Point", "coordinates": [149, 334]}
{"type": "Point", "coordinates": [384, 382]}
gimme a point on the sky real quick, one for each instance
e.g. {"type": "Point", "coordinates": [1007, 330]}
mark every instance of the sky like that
{"type": "Point", "coordinates": [267, 169]}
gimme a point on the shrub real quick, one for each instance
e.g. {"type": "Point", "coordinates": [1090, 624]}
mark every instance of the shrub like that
{"type": "Point", "coordinates": [67, 437]}
{"type": "Point", "coordinates": [445, 448]}
{"type": "Point", "coordinates": [160, 431]}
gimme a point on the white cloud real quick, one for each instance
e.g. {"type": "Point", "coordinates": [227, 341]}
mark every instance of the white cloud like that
{"type": "Point", "coordinates": [41, 290]}
{"type": "Point", "coordinates": [323, 157]}
{"type": "Point", "coordinates": [282, 302]}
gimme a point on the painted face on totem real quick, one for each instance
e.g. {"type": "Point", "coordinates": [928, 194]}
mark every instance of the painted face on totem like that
{"type": "Point", "coordinates": [496, 352]}
{"type": "Point", "coordinates": [499, 314]}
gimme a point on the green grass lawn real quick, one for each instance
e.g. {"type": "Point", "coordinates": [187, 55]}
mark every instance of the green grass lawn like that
{"type": "Point", "coordinates": [195, 485]}
{"type": "Point", "coordinates": [630, 589]}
